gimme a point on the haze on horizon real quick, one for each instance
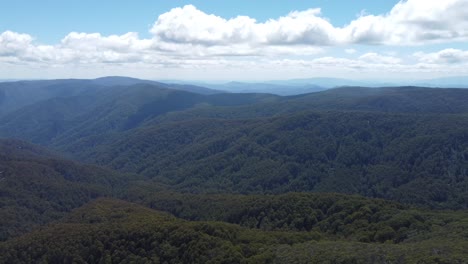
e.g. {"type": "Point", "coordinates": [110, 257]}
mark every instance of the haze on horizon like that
{"type": "Point", "coordinates": [199, 40]}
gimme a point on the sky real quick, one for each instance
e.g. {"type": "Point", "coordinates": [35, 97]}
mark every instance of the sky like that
{"type": "Point", "coordinates": [234, 40]}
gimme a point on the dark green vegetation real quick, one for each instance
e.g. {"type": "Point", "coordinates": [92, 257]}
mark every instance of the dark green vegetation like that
{"type": "Point", "coordinates": [36, 187]}
{"type": "Point", "coordinates": [15, 95]}
{"type": "Point", "coordinates": [287, 179]}
{"type": "Point", "coordinates": [406, 144]}
{"type": "Point", "coordinates": [409, 158]}
{"type": "Point", "coordinates": [336, 215]}
{"type": "Point", "coordinates": [111, 231]}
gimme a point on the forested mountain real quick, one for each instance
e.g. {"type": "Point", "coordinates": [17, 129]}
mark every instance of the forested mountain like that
{"type": "Point", "coordinates": [104, 111]}
{"type": "Point", "coordinates": [333, 215]}
{"type": "Point", "coordinates": [18, 149]}
{"type": "Point", "coordinates": [389, 99]}
{"type": "Point", "coordinates": [37, 187]}
{"type": "Point", "coordinates": [384, 143]}
{"type": "Point", "coordinates": [390, 156]}
{"type": "Point", "coordinates": [267, 87]}
{"type": "Point", "coordinates": [124, 107]}
{"type": "Point", "coordinates": [287, 177]}
{"type": "Point", "coordinates": [405, 100]}
{"type": "Point", "coordinates": [127, 81]}
{"type": "Point", "coordinates": [15, 95]}
{"type": "Point", "coordinates": [114, 231]}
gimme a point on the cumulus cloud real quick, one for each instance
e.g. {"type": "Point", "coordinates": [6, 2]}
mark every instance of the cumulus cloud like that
{"type": "Point", "coordinates": [305, 27]}
{"type": "Point", "coordinates": [446, 56]}
{"type": "Point", "coordinates": [186, 37]}
{"type": "Point", "coordinates": [12, 43]}
{"type": "Point", "coordinates": [74, 48]}
{"type": "Point", "coordinates": [410, 22]}
{"type": "Point", "coordinates": [190, 25]}
{"type": "Point", "coordinates": [95, 41]}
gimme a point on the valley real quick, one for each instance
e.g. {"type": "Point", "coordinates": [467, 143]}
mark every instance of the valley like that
{"type": "Point", "coordinates": [120, 169]}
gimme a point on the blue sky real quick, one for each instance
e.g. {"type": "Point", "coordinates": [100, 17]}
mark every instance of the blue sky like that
{"type": "Point", "coordinates": [234, 40]}
{"type": "Point", "coordinates": [50, 20]}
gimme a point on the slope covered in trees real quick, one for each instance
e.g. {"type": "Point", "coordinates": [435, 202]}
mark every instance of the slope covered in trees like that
{"type": "Point", "coordinates": [267, 168]}
{"type": "Point", "coordinates": [407, 144]}
{"type": "Point", "coordinates": [105, 110]}
{"type": "Point", "coordinates": [15, 95]}
{"type": "Point", "coordinates": [110, 231]}
{"type": "Point", "coordinates": [390, 100]}
{"type": "Point", "coordinates": [97, 111]}
{"type": "Point", "coordinates": [416, 159]}
{"type": "Point", "coordinates": [333, 215]}
{"type": "Point", "coordinates": [36, 188]}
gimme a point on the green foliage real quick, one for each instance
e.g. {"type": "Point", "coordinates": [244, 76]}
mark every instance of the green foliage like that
{"type": "Point", "coordinates": [36, 189]}
{"type": "Point", "coordinates": [126, 233]}
{"type": "Point", "coordinates": [225, 164]}
{"type": "Point", "coordinates": [332, 215]}
{"type": "Point", "coordinates": [415, 159]}
{"type": "Point", "coordinates": [129, 233]}
{"type": "Point", "coordinates": [406, 144]}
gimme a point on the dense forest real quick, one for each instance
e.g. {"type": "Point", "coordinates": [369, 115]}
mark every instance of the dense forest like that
{"type": "Point", "coordinates": [112, 231]}
{"type": "Point", "coordinates": [389, 156]}
{"type": "Point", "coordinates": [123, 170]}
{"type": "Point", "coordinates": [36, 187]}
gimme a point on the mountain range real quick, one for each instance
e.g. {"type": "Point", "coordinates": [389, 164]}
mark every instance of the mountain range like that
{"type": "Point", "coordinates": [309, 85]}
{"type": "Point", "coordinates": [126, 170]}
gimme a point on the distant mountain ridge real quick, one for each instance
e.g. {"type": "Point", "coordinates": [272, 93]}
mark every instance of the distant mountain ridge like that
{"type": "Point", "coordinates": [14, 95]}
{"type": "Point", "coordinates": [309, 85]}
{"type": "Point", "coordinates": [126, 81]}
{"type": "Point", "coordinates": [283, 89]}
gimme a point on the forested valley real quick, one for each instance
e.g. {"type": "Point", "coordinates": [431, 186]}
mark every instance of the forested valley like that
{"type": "Point", "coordinates": [120, 170]}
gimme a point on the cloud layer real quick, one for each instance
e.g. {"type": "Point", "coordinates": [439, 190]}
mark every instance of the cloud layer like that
{"type": "Point", "coordinates": [412, 22]}
{"type": "Point", "coordinates": [187, 37]}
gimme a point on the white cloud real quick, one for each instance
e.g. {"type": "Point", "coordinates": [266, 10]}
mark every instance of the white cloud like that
{"type": "Point", "coordinates": [188, 38]}
{"type": "Point", "coordinates": [373, 57]}
{"type": "Point", "coordinates": [299, 27]}
{"type": "Point", "coordinates": [446, 56]}
{"type": "Point", "coordinates": [190, 25]}
{"type": "Point", "coordinates": [95, 42]}
{"type": "Point", "coordinates": [413, 22]}
{"type": "Point", "coordinates": [12, 43]}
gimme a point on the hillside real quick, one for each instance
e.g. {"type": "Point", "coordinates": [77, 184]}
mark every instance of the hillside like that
{"type": "Point", "coordinates": [18, 149]}
{"type": "Point", "coordinates": [110, 230]}
{"type": "Point", "coordinates": [383, 143]}
{"type": "Point", "coordinates": [37, 187]}
{"type": "Point", "coordinates": [17, 94]}
{"type": "Point", "coordinates": [237, 178]}
{"type": "Point", "coordinates": [389, 99]}
{"type": "Point", "coordinates": [416, 159]}
{"type": "Point", "coordinates": [101, 112]}
{"type": "Point", "coordinates": [98, 113]}
{"type": "Point", "coordinates": [267, 87]}
{"type": "Point", "coordinates": [335, 216]}
{"type": "Point", "coordinates": [234, 132]}
{"type": "Point", "coordinates": [115, 231]}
